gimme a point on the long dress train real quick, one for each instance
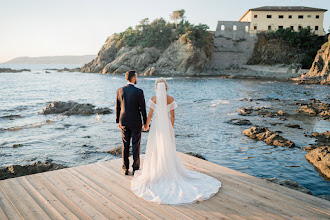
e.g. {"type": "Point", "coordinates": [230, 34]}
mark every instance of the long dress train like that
{"type": "Point", "coordinates": [163, 178]}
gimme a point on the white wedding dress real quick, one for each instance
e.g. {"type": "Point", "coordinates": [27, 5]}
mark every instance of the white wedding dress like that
{"type": "Point", "coordinates": [163, 178]}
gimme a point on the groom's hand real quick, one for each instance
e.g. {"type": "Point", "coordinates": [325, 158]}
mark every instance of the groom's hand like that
{"type": "Point", "coordinates": [145, 127]}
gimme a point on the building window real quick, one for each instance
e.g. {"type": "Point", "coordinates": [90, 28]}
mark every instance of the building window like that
{"type": "Point", "coordinates": [309, 16]}
{"type": "Point", "coordinates": [222, 27]}
{"type": "Point", "coordinates": [269, 16]}
{"type": "Point", "coordinates": [317, 16]}
{"type": "Point", "coordinates": [246, 28]}
{"type": "Point", "coordinates": [234, 28]}
{"type": "Point", "coordinates": [280, 16]}
{"type": "Point", "coordinates": [269, 27]}
{"type": "Point", "coordinates": [299, 27]}
{"type": "Point", "coordinates": [316, 28]}
{"type": "Point", "coordinates": [280, 27]}
{"type": "Point", "coordinates": [309, 27]}
{"type": "Point", "coordinates": [290, 16]}
{"type": "Point", "coordinates": [291, 27]}
{"type": "Point", "coordinates": [255, 16]}
{"type": "Point", "coordinates": [300, 16]}
{"type": "Point", "coordinates": [255, 27]}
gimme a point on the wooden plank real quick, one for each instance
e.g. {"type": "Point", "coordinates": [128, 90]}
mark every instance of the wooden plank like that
{"type": "Point", "coordinates": [39, 199]}
{"type": "Point", "coordinates": [79, 198]}
{"type": "Point", "coordinates": [125, 184]}
{"type": "Point", "coordinates": [113, 183]}
{"type": "Point", "coordinates": [109, 207]}
{"type": "Point", "coordinates": [2, 213]}
{"type": "Point", "coordinates": [112, 197]}
{"type": "Point", "coordinates": [203, 210]}
{"type": "Point", "coordinates": [224, 207]}
{"type": "Point", "coordinates": [51, 200]}
{"type": "Point", "coordinates": [61, 196]}
{"type": "Point", "coordinates": [254, 182]}
{"type": "Point", "coordinates": [101, 191]}
{"type": "Point", "coordinates": [254, 201]}
{"type": "Point", "coordinates": [7, 207]}
{"type": "Point", "coordinates": [26, 206]}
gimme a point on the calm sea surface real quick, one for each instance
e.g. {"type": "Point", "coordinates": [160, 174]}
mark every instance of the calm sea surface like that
{"type": "Point", "coordinates": [205, 104]}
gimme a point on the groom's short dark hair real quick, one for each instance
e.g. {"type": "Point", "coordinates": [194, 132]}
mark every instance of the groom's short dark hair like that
{"type": "Point", "coordinates": [129, 75]}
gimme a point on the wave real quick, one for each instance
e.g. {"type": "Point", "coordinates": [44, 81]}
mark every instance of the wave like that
{"type": "Point", "coordinates": [33, 125]}
{"type": "Point", "coordinates": [11, 116]}
{"type": "Point", "coordinates": [155, 78]}
{"type": "Point", "coordinates": [219, 102]}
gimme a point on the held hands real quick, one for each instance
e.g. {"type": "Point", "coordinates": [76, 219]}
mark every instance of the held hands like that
{"type": "Point", "coordinates": [145, 127]}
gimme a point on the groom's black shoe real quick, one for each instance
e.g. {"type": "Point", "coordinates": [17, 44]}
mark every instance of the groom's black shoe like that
{"type": "Point", "coordinates": [134, 171]}
{"type": "Point", "coordinates": [126, 172]}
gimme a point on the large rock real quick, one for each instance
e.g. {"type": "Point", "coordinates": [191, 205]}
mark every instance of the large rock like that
{"type": "Point", "coordinates": [273, 51]}
{"type": "Point", "coordinates": [316, 109]}
{"type": "Point", "coordinates": [136, 58]}
{"type": "Point", "coordinates": [196, 155]}
{"type": "Point", "coordinates": [290, 184]}
{"type": "Point", "coordinates": [269, 137]}
{"type": "Point", "coordinates": [73, 108]}
{"type": "Point", "coordinates": [37, 167]}
{"type": "Point", "coordinates": [238, 121]}
{"type": "Point", "coordinates": [319, 73]}
{"type": "Point", "coordinates": [180, 58]}
{"type": "Point", "coordinates": [320, 158]}
{"type": "Point", "coordinates": [106, 55]}
{"type": "Point", "coordinates": [8, 70]}
{"type": "Point", "coordinates": [261, 111]}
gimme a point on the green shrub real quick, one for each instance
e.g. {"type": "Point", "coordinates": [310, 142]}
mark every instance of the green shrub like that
{"type": "Point", "coordinates": [304, 41]}
{"type": "Point", "coordinates": [161, 34]}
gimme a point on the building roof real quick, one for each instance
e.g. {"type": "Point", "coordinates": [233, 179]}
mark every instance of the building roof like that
{"type": "Point", "coordinates": [287, 8]}
{"type": "Point", "coordinates": [283, 8]}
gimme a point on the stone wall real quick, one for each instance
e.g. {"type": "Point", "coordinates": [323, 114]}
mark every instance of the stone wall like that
{"type": "Point", "coordinates": [233, 45]}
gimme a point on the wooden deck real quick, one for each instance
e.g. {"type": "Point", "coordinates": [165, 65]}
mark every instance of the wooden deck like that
{"type": "Point", "coordinates": [101, 191]}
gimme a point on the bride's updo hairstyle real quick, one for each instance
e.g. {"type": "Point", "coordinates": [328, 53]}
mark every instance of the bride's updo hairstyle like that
{"type": "Point", "coordinates": [161, 80]}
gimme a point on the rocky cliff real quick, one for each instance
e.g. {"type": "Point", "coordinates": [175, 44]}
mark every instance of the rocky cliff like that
{"type": "Point", "coordinates": [273, 51]}
{"type": "Point", "coordinates": [319, 73]}
{"type": "Point", "coordinates": [179, 58]}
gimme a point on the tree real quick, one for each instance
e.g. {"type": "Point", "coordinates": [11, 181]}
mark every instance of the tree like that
{"type": "Point", "coordinates": [176, 15]}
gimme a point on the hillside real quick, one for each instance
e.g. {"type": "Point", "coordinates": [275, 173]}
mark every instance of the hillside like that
{"type": "Point", "coordinates": [155, 48]}
{"type": "Point", "coordinates": [319, 73]}
{"type": "Point", "coordinates": [52, 60]}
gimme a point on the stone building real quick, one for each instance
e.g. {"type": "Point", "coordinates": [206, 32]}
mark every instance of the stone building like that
{"type": "Point", "coordinates": [233, 45]}
{"type": "Point", "coordinates": [277, 17]}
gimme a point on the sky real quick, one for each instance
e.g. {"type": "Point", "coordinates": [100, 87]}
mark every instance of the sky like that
{"type": "Point", "coordinates": [80, 27]}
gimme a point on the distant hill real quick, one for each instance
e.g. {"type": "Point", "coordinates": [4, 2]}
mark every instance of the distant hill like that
{"type": "Point", "coordinates": [52, 60]}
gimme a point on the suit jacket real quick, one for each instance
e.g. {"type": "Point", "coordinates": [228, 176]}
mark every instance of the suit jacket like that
{"type": "Point", "coordinates": [130, 106]}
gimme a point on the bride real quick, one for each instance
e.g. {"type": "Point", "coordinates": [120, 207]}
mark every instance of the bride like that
{"type": "Point", "coordinates": [163, 178]}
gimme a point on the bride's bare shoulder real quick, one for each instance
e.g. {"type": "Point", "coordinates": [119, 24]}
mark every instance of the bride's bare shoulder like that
{"type": "Point", "coordinates": [170, 99]}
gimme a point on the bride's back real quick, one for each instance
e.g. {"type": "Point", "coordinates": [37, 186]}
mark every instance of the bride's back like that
{"type": "Point", "coordinates": [170, 99]}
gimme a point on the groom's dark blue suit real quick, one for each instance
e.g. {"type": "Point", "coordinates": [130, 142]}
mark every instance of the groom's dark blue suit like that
{"type": "Point", "coordinates": [130, 106]}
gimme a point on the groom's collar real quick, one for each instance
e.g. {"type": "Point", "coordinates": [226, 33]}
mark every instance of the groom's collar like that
{"type": "Point", "coordinates": [129, 83]}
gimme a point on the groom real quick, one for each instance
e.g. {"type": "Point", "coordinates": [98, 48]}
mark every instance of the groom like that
{"type": "Point", "coordinates": [130, 105]}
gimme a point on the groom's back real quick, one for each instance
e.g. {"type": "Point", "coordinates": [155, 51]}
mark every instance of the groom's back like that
{"type": "Point", "coordinates": [129, 106]}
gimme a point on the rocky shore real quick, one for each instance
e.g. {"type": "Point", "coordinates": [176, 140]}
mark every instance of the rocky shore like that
{"type": "Point", "coordinates": [73, 108]}
{"type": "Point", "coordinates": [179, 58]}
{"type": "Point", "coordinates": [37, 167]}
{"type": "Point", "coordinates": [318, 153]}
{"type": "Point", "coordinates": [319, 73]}
{"type": "Point", "coordinates": [269, 137]}
{"type": "Point", "coordinates": [9, 70]}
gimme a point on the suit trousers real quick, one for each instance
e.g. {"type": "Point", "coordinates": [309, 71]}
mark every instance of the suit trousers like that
{"type": "Point", "coordinates": [127, 135]}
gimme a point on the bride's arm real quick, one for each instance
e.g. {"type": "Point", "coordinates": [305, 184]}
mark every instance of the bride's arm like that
{"type": "Point", "coordinates": [149, 117]}
{"type": "Point", "coordinates": [172, 117]}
